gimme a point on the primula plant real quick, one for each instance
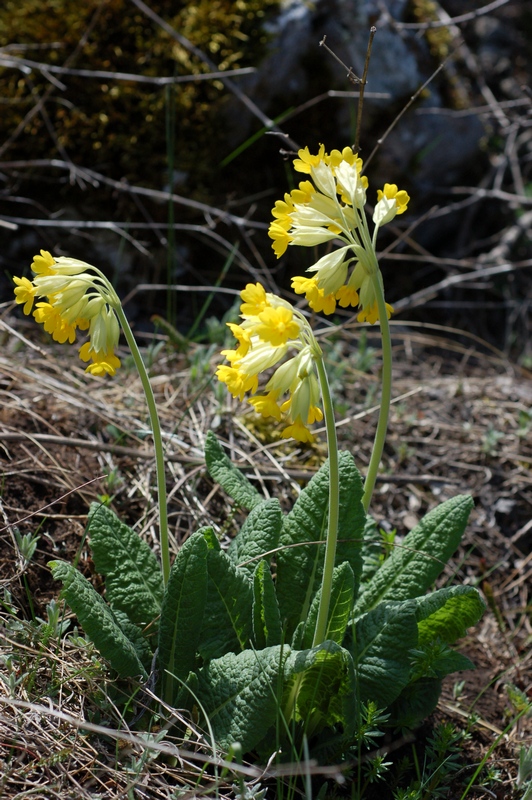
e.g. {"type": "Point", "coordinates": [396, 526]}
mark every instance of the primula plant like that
{"type": "Point", "coordinates": [295, 637]}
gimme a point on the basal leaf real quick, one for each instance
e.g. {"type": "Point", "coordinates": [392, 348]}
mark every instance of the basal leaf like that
{"type": "Point", "coordinates": [98, 621]}
{"type": "Point", "coordinates": [412, 567]}
{"type": "Point", "coordinates": [383, 640]}
{"type": "Point", "coordinates": [319, 687]}
{"type": "Point", "coordinates": [448, 613]}
{"type": "Point", "coordinates": [299, 565]}
{"type": "Point", "coordinates": [340, 607]}
{"type": "Point", "coordinates": [133, 579]}
{"type": "Point", "coordinates": [136, 637]}
{"type": "Point", "coordinates": [182, 614]}
{"type": "Point", "coordinates": [223, 471]}
{"type": "Point", "coordinates": [240, 694]}
{"type": "Point", "coordinates": [259, 534]}
{"type": "Point", "coordinates": [415, 703]}
{"type": "Point", "coordinates": [228, 619]}
{"type": "Point", "coordinates": [266, 619]}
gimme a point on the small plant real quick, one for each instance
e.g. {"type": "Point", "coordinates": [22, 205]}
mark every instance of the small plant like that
{"type": "Point", "coordinates": [490, 441]}
{"type": "Point", "coordinates": [312, 633]}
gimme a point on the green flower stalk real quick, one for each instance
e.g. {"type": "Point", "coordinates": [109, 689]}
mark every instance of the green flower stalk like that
{"type": "Point", "coordinates": [78, 296]}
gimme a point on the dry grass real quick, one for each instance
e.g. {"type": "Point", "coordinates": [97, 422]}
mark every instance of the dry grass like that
{"type": "Point", "coordinates": [459, 423]}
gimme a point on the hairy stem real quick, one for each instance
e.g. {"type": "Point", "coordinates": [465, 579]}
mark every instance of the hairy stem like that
{"type": "Point", "coordinates": [157, 441]}
{"type": "Point", "coordinates": [386, 395]}
{"type": "Point", "coordinates": [334, 507]}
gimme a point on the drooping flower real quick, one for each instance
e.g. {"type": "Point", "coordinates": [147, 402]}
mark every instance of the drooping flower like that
{"type": "Point", "coordinates": [76, 296]}
{"type": "Point", "coordinates": [24, 293]}
{"type": "Point", "coordinates": [330, 207]}
{"type": "Point", "coordinates": [272, 327]}
{"type": "Point", "coordinates": [390, 201]}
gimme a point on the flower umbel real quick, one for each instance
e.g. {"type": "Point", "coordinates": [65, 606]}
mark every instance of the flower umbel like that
{"type": "Point", "coordinates": [271, 327]}
{"type": "Point", "coordinates": [327, 207]}
{"type": "Point", "coordinates": [77, 297]}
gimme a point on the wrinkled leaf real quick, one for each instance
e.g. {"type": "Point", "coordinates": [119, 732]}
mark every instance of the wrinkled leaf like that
{"type": "Point", "coordinates": [98, 621]}
{"type": "Point", "coordinates": [340, 607]}
{"type": "Point", "coordinates": [182, 614]}
{"type": "Point", "coordinates": [299, 567]}
{"type": "Point", "coordinates": [228, 619]}
{"type": "Point", "coordinates": [448, 613]}
{"type": "Point", "coordinates": [266, 618]}
{"type": "Point", "coordinates": [133, 579]}
{"type": "Point", "coordinates": [240, 694]}
{"type": "Point", "coordinates": [319, 687]}
{"type": "Point", "coordinates": [381, 651]}
{"type": "Point", "coordinates": [222, 470]}
{"type": "Point", "coordinates": [413, 566]}
{"type": "Point", "coordinates": [259, 535]}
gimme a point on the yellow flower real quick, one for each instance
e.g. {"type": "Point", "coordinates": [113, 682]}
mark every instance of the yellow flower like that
{"type": "Point", "coordinates": [323, 303]}
{"type": "Point", "coordinates": [281, 238]}
{"type": "Point", "coordinates": [371, 313]}
{"type": "Point", "coordinates": [254, 300]}
{"type": "Point", "coordinates": [298, 431]}
{"type": "Point", "coordinates": [306, 161]}
{"type": "Point", "coordinates": [243, 338]}
{"type": "Point", "coordinates": [315, 414]}
{"type": "Point", "coordinates": [307, 286]}
{"type": "Point", "coordinates": [266, 405]}
{"type": "Point", "coordinates": [24, 293]}
{"type": "Point", "coordinates": [390, 201]}
{"type": "Point", "coordinates": [303, 194]}
{"type": "Point", "coordinates": [44, 264]}
{"type": "Point", "coordinates": [282, 210]}
{"type": "Point", "coordinates": [104, 363]}
{"type": "Point", "coordinates": [277, 326]}
{"type": "Point", "coordinates": [236, 381]}
{"type": "Point", "coordinates": [347, 296]}
{"type": "Point", "coordinates": [78, 296]}
{"type": "Point", "coordinates": [54, 323]}
{"type": "Point", "coordinates": [393, 193]}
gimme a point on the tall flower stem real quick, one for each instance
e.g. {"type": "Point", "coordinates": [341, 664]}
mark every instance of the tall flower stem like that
{"type": "Point", "coordinates": [334, 506]}
{"type": "Point", "coordinates": [386, 394]}
{"type": "Point", "coordinates": [157, 440]}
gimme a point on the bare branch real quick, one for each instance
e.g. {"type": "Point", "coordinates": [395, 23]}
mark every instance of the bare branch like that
{"type": "Point", "coordinates": [26, 66]}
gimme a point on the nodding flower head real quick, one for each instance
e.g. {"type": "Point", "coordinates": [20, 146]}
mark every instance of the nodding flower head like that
{"type": "Point", "coordinates": [274, 336]}
{"type": "Point", "coordinates": [327, 207]}
{"type": "Point", "coordinates": [76, 296]}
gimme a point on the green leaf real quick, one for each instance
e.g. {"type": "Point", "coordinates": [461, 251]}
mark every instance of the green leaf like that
{"type": "Point", "coordinates": [210, 538]}
{"type": "Point", "coordinates": [300, 565]}
{"type": "Point", "coordinates": [319, 687]}
{"type": "Point", "coordinates": [133, 579]}
{"type": "Point", "coordinates": [239, 693]}
{"type": "Point", "coordinates": [416, 563]}
{"type": "Point", "coordinates": [223, 471]}
{"type": "Point", "coordinates": [266, 618]}
{"type": "Point", "coordinates": [182, 614]}
{"type": "Point", "coordinates": [136, 637]}
{"type": "Point", "coordinates": [340, 607]}
{"type": "Point", "coordinates": [98, 621]}
{"type": "Point", "coordinates": [259, 534]}
{"type": "Point", "coordinates": [448, 613]}
{"type": "Point", "coordinates": [381, 651]}
{"type": "Point", "coordinates": [228, 619]}
{"type": "Point", "coordinates": [415, 703]}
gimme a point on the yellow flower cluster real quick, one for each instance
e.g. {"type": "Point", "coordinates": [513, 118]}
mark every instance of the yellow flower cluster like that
{"type": "Point", "coordinates": [271, 327]}
{"type": "Point", "coordinates": [77, 297]}
{"type": "Point", "coordinates": [331, 207]}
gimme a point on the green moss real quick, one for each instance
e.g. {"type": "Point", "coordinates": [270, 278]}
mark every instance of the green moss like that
{"type": "Point", "coordinates": [117, 126]}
